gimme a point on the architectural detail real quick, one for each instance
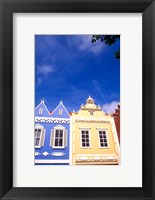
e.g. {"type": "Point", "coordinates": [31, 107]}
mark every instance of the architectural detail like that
{"type": "Point", "coordinates": [58, 154]}
{"type": "Point", "coordinates": [86, 137]}
{"type": "Point", "coordinates": [94, 135]}
{"type": "Point", "coordinates": [52, 120]}
{"type": "Point", "coordinates": [52, 135]}
{"type": "Point", "coordinates": [45, 153]}
{"type": "Point", "coordinates": [116, 116]}
{"type": "Point", "coordinates": [37, 153]}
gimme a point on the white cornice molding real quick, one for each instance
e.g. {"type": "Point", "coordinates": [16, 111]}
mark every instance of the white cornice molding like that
{"type": "Point", "coordinates": [52, 120]}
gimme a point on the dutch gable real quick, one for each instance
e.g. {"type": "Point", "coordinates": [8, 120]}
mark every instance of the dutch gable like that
{"type": "Point", "coordinates": [41, 110]}
{"type": "Point", "coordinates": [60, 111]}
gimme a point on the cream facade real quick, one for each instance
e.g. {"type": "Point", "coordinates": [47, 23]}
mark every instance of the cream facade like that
{"type": "Point", "coordinates": [94, 137]}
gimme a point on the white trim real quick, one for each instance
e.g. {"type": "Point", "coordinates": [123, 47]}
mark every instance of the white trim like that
{"type": "Point", "coordinates": [42, 102]}
{"type": "Point", "coordinates": [52, 120]}
{"type": "Point", "coordinates": [63, 107]}
{"type": "Point", "coordinates": [38, 126]}
{"type": "Point", "coordinates": [100, 119]}
{"type": "Point", "coordinates": [95, 155]}
{"type": "Point", "coordinates": [70, 145]}
{"type": "Point", "coordinates": [51, 161]}
{"type": "Point", "coordinates": [81, 139]}
{"type": "Point", "coordinates": [116, 142]}
{"type": "Point", "coordinates": [84, 128]}
{"type": "Point", "coordinates": [59, 127]}
{"type": "Point", "coordinates": [106, 138]}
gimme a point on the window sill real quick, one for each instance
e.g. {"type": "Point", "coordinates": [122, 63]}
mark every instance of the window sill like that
{"type": "Point", "coordinates": [58, 147]}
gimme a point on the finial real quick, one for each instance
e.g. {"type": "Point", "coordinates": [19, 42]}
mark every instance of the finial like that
{"type": "Point", "coordinates": [42, 101]}
{"type": "Point", "coordinates": [61, 102]}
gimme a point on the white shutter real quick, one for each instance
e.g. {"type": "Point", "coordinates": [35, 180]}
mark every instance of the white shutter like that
{"type": "Point", "coordinates": [42, 137]}
{"type": "Point", "coordinates": [52, 138]}
{"type": "Point", "coordinates": [66, 137]}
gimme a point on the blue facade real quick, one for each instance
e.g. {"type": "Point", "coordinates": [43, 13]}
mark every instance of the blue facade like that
{"type": "Point", "coordinates": [52, 135]}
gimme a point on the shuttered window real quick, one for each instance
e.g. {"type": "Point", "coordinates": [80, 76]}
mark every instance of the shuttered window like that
{"type": "Point", "coordinates": [39, 137]}
{"type": "Point", "coordinates": [58, 138]}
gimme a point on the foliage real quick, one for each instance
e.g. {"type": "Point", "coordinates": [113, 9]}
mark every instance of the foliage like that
{"type": "Point", "coordinates": [108, 40]}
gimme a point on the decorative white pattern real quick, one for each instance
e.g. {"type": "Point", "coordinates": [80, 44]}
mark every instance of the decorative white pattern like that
{"type": "Point", "coordinates": [37, 153]}
{"type": "Point", "coordinates": [94, 119]}
{"type": "Point", "coordinates": [58, 154]}
{"type": "Point", "coordinates": [100, 157]}
{"type": "Point", "coordinates": [52, 120]}
{"type": "Point", "coordinates": [45, 153]}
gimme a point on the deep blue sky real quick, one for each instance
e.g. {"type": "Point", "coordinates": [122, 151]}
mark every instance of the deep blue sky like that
{"type": "Point", "coordinates": [70, 68]}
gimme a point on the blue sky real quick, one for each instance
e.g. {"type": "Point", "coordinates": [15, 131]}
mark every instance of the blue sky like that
{"type": "Point", "coordinates": [70, 68]}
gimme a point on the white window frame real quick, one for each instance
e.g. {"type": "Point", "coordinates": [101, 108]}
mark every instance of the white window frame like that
{"type": "Point", "coordinates": [59, 128]}
{"type": "Point", "coordinates": [38, 126]}
{"type": "Point", "coordinates": [106, 138]}
{"type": "Point", "coordinates": [40, 111]}
{"type": "Point", "coordinates": [81, 138]}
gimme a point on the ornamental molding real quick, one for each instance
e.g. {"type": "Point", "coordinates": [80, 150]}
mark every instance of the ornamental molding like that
{"type": "Point", "coordinates": [92, 119]}
{"type": "Point", "coordinates": [52, 120]}
{"type": "Point", "coordinates": [97, 157]}
{"type": "Point", "coordinates": [37, 153]}
{"type": "Point", "coordinates": [58, 154]}
{"type": "Point", "coordinates": [45, 153]}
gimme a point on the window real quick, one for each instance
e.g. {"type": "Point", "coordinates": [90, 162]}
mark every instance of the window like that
{"type": "Point", "coordinates": [58, 137]}
{"type": "Point", "coordinates": [91, 112]}
{"type": "Point", "coordinates": [39, 136]}
{"type": "Point", "coordinates": [103, 139]}
{"type": "Point", "coordinates": [40, 110]}
{"type": "Point", "coordinates": [85, 138]}
{"type": "Point", "coordinates": [60, 111]}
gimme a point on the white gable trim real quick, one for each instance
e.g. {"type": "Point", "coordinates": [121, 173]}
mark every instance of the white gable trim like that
{"type": "Point", "coordinates": [63, 107]}
{"type": "Point", "coordinates": [44, 106]}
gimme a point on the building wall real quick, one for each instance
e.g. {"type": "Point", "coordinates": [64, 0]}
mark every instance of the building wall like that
{"type": "Point", "coordinates": [46, 153]}
{"type": "Point", "coordinates": [116, 116]}
{"type": "Point", "coordinates": [99, 120]}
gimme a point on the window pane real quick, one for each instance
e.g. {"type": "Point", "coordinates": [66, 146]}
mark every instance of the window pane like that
{"type": "Point", "coordinates": [83, 144]}
{"type": "Point", "coordinates": [57, 133]}
{"type": "Point", "coordinates": [37, 141]}
{"type": "Point", "coordinates": [56, 142]}
{"type": "Point", "coordinates": [39, 133]}
{"type": "Point", "coordinates": [60, 142]}
{"type": "Point", "coordinates": [83, 136]}
{"type": "Point", "coordinates": [61, 133]}
{"type": "Point", "coordinates": [35, 132]}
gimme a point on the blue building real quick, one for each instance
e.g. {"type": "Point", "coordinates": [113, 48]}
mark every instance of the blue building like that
{"type": "Point", "coordinates": [52, 135]}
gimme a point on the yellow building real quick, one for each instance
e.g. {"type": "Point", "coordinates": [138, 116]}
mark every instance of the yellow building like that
{"type": "Point", "coordinates": [95, 140]}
